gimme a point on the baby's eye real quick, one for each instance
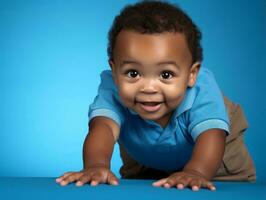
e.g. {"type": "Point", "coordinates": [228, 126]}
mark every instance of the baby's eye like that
{"type": "Point", "coordinates": [132, 73]}
{"type": "Point", "coordinates": [166, 75]}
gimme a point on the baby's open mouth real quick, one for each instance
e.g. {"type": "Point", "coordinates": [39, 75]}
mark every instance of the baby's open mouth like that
{"type": "Point", "coordinates": [150, 106]}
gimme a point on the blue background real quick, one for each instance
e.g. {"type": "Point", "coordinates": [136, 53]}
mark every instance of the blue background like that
{"type": "Point", "coordinates": [51, 55]}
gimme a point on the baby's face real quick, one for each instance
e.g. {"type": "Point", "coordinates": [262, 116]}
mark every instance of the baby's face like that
{"type": "Point", "coordinates": [152, 72]}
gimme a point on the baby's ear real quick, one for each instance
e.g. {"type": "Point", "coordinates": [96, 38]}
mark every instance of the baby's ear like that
{"type": "Point", "coordinates": [112, 66]}
{"type": "Point", "coordinates": [194, 70]}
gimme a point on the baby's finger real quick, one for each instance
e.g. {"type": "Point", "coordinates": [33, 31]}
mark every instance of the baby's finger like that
{"type": "Point", "coordinates": [70, 178]}
{"type": "Point", "coordinates": [195, 184]}
{"type": "Point", "coordinates": [60, 178]}
{"type": "Point", "coordinates": [85, 178]}
{"type": "Point", "coordinates": [171, 181]}
{"type": "Point", "coordinates": [182, 182]}
{"type": "Point", "coordinates": [209, 185]}
{"type": "Point", "coordinates": [159, 182]}
{"type": "Point", "coordinates": [96, 179]}
{"type": "Point", "coordinates": [112, 180]}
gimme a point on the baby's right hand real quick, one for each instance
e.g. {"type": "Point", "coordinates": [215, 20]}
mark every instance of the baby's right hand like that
{"type": "Point", "coordinates": [92, 175]}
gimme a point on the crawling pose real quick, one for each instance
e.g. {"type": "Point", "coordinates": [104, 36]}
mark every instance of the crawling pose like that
{"type": "Point", "coordinates": [166, 111]}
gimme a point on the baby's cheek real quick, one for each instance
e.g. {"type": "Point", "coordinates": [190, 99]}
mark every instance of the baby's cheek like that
{"type": "Point", "coordinates": [127, 94]}
{"type": "Point", "coordinates": [174, 96]}
{"type": "Point", "coordinates": [174, 102]}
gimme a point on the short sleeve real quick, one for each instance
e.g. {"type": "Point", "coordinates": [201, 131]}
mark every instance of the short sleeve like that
{"type": "Point", "coordinates": [107, 102]}
{"type": "Point", "coordinates": [208, 110]}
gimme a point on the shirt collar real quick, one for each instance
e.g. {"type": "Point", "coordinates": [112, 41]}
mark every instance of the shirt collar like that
{"type": "Point", "coordinates": [187, 101]}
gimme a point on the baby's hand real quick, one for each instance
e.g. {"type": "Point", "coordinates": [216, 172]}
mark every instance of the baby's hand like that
{"type": "Point", "coordinates": [185, 179]}
{"type": "Point", "coordinates": [93, 175]}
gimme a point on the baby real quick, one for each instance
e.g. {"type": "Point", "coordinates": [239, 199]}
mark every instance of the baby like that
{"type": "Point", "coordinates": [165, 110]}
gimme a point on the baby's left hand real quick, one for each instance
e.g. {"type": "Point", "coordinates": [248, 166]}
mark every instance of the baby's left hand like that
{"type": "Point", "coordinates": [183, 179]}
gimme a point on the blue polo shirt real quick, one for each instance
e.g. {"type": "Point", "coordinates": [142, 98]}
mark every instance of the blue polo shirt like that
{"type": "Point", "coordinates": [168, 148]}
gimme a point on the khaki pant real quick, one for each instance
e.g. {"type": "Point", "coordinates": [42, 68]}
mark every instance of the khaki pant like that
{"type": "Point", "coordinates": [237, 165]}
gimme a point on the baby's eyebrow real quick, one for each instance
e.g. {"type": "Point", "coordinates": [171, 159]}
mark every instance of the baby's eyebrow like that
{"type": "Point", "coordinates": [168, 63]}
{"type": "Point", "coordinates": [125, 62]}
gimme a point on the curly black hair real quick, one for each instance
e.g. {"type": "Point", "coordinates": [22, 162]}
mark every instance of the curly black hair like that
{"type": "Point", "coordinates": [148, 17]}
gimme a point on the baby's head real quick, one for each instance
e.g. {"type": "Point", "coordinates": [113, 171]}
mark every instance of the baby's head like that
{"type": "Point", "coordinates": [155, 54]}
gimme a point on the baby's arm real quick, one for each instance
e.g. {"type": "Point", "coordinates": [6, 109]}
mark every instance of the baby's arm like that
{"type": "Point", "coordinates": [208, 153]}
{"type": "Point", "coordinates": [97, 151]}
{"type": "Point", "coordinates": [205, 161]}
{"type": "Point", "coordinates": [99, 143]}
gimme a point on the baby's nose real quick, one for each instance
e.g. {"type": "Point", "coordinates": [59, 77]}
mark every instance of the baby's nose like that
{"type": "Point", "coordinates": [149, 86]}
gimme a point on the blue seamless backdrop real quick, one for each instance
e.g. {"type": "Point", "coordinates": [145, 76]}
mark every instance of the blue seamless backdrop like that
{"type": "Point", "coordinates": [51, 56]}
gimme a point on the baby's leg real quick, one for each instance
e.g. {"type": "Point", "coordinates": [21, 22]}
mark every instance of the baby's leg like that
{"type": "Point", "coordinates": [131, 169]}
{"type": "Point", "coordinates": [237, 164]}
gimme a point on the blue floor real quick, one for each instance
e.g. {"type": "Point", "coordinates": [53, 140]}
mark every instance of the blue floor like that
{"type": "Point", "coordinates": [47, 188]}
